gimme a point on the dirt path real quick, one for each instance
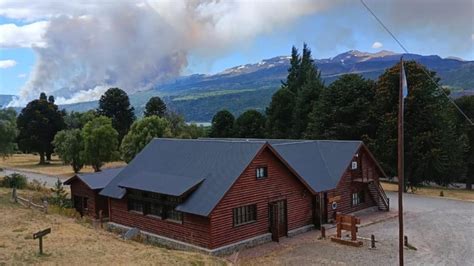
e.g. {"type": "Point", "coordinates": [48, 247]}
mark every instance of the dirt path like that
{"type": "Point", "coordinates": [441, 229]}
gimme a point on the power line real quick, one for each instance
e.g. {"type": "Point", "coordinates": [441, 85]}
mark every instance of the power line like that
{"type": "Point", "coordinates": [424, 70]}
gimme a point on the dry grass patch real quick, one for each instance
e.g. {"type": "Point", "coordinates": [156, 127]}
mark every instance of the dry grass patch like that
{"type": "Point", "coordinates": [29, 163]}
{"type": "Point", "coordinates": [460, 194]}
{"type": "Point", "coordinates": [75, 243]}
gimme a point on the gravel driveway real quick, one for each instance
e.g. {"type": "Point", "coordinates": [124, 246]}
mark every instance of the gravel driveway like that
{"type": "Point", "coordinates": [47, 179]}
{"type": "Point", "coordinates": [441, 229]}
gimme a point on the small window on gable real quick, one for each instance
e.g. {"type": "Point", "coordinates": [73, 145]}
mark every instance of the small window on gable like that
{"type": "Point", "coordinates": [261, 172]}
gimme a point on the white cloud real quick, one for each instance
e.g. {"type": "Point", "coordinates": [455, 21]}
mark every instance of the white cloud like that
{"type": "Point", "coordinates": [13, 36]}
{"type": "Point", "coordinates": [377, 45]}
{"type": "Point", "coordinates": [7, 63]}
{"type": "Point", "coordinates": [22, 75]}
{"type": "Point", "coordinates": [472, 36]}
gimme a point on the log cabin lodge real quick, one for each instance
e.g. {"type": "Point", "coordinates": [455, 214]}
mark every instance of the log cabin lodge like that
{"type": "Point", "coordinates": [220, 195]}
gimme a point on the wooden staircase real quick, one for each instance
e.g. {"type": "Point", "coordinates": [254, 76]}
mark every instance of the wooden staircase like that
{"type": "Point", "coordinates": [378, 194]}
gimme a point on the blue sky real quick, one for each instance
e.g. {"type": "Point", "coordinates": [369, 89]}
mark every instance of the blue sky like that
{"type": "Point", "coordinates": [240, 33]}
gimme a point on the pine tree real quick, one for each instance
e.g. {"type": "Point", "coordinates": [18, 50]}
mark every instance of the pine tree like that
{"type": "Point", "coordinates": [222, 125]}
{"type": "Point", "coordinates": [116, 105]}
{"type": "Point", "coordinates": [309, 86]}
{"type": "Point", "coordinates": [280, 114]}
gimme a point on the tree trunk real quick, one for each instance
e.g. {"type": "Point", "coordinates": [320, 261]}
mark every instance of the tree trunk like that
{"type": "Point", "coordinates": [48, 156]}
{"type": "Point", "coordinates": [42, 161]}
{"type": "Point", "coordinates": [469, 177]}
{"type": "Point", "coordinates": [96, 167]}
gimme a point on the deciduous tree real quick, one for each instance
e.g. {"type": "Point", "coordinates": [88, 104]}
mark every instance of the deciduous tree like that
{"type": "Point", "coordinates": [344, 110]}
{"type": "Point", "coordinates": [250, 124]}
{"type": "Point", "coordinates": [8, 131]}
{"type": "Point", "coordinates": [100, 142]}
{"type": "Point", "coordinates": [69, 146]}
{"type": "Point", "coordinates": [141, 133]}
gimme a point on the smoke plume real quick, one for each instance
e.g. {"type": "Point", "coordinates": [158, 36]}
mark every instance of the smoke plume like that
{"type": "Point", "coordinates": [135, 45]}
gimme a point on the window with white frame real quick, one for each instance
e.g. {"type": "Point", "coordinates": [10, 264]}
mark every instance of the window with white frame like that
{"type": "Point", "coordinates": [358, 198]}
{"type": "Point", "coordinates": [261, 172]}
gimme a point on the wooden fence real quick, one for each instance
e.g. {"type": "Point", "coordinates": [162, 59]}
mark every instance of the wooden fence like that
{"type": "Point", "coordinates": [28, 203]}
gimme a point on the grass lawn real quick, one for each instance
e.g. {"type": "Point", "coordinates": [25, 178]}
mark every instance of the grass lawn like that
{"type": "Point", "coordinates": [76, 243]}
{"type": "Point", "coordinates": [460, 194]}
{"type": "Point", "coordinates": [29, 162]}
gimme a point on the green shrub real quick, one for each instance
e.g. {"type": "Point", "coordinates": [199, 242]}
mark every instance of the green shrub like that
{"type": "Point", "coordinates": [14, 180]}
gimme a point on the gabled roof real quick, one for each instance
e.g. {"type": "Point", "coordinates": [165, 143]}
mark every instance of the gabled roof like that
{"type": "Point", "coordinates": [321, 163]}
{"type": "Point", "coordinates": [96, 180]}
{"type": "Point", "coordinates": [217, 163]}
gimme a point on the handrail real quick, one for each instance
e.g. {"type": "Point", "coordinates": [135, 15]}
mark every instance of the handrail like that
{"type": "Point", "coordinates": [382, 193]}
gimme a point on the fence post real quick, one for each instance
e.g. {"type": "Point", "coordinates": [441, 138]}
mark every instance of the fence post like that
{"type": "Point", "coordinates": [14, 196]}
{"type": "Point", "coordinates": [323, 232]}
{"type": "Point", "coordinates": [372, 240]}
{"type": "Point", "coordinates": [45, 206]}
{"type": "Point", "coordinates": [30, 200]}
{"type": "Point", "coordinates": [100, 219]}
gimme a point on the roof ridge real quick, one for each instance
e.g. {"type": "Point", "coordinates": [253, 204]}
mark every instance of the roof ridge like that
{"type": "Point", "coordinates": [324, 161]}
{"type": "Point", "coordinates": [214, 140]}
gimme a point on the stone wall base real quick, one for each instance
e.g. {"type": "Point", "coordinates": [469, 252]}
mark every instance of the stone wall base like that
{"type": "Point", "coordinates": [176, 244]}
{"type": "Point", "coordinates": [301, 230]}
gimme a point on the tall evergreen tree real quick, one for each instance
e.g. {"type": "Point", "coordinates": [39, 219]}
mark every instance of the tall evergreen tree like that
{"type": "Point", "coordinates": [280, 114]}
{"type": "Point", "coordinates": [343, 110]}
{"type": "Point", "coordinates": [155, 106]}
{"type": "Point", "coordinates": [222, 125]}
{"type": "Point", "coordinates": [291, 82]}
{"type": "Point", "coordinates": [432, 147]}
{"type": "Point", "coordinates": [116, 105]}
{"type": "Point", "coordinates": [310, 86]}
{"type": "Point", "coordinates": [37, 124]}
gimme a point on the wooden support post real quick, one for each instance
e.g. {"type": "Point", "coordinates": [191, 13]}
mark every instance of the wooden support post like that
{"type": "Point", "coordinates": [41, 245]}
{"type": "Point", "coordinates": [339, 229]}
{"type": "Point", "coordinates": [45, 206]}
{"type": "Point", "coordinates": [323, 232]}
{"type": "Point", "coordinates": [405, 238]}
{"type": "Point", "coordinates": [100, 219]}
{"type": "Point", "coordinates": [39, 235]}
{"type": "Point", "coordinates": [353, 229]}
{"type": "Point", "coordinates": [372, 241]}
{"type": "Point", "coordinates": [14, 196]}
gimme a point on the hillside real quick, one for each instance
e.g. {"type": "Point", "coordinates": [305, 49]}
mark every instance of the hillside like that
{"type": "Point", "coordinates": [200, 96]}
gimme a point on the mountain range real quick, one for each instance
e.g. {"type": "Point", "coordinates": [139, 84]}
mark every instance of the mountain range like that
{"type": "Point", "coordinates": [198, 97]}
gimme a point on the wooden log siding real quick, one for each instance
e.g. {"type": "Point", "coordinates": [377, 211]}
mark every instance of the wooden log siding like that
{"type": "Point", "coordinates": [279, 184]}
{"type": "Point", "coordinates": [194, 229]}
{"type": "Point", "coordinates": [95, 202]}
{"type": "Point", "coordinates": [345, 188]}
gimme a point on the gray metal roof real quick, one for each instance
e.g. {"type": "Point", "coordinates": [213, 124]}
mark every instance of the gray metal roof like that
{"type": "Point", "coordinates": [96, 180]}
{"type": "Point", "coordinates": [321, 163]}
{"type": "Point", "coordinates": [218, 162]}
{"type": "Point", "coordinates": [161, 183]}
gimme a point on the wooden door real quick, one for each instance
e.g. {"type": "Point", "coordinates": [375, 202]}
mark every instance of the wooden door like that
{"type": "Point", "coordinates": [278, 219]}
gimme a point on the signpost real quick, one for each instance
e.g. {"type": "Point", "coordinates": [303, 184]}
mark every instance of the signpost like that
{"type": "Point", "coordinates": [40, 235]}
